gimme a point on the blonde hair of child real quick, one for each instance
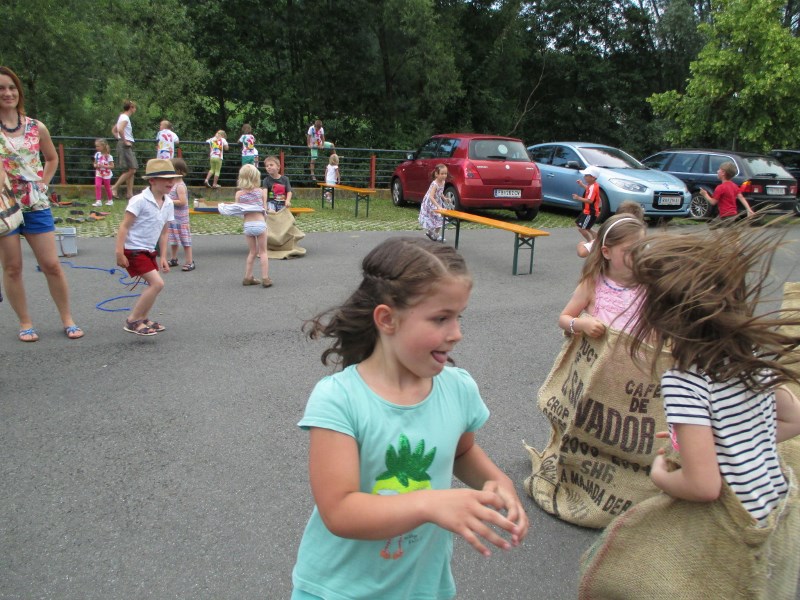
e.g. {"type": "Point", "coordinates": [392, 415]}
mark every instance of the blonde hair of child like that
{"type": "Point", "coordinates": [700, 292]}
{"type": "Point", "coordinates": [104, 147]}
{"type": "Point", "coordinates": [334, 159]}
{"type": "Point", "coordinates": [273, 159]}
{"type": "Point", "coordinates": [629, 207]}
{"type": "Point", "coordinates": [617, 229]}
{"type": "Point", "coordinates": [249, 178]}
{"type": "Point", "coordinates": [221, 133]}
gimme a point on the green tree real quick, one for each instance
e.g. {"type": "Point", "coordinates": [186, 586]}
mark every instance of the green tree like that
{"type": "Point", "coordinates": [744, 90]}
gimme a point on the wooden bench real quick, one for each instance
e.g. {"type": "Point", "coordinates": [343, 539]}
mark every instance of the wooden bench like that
{"type": "Point", "coordinates": [210, 208]}
{"type": "Point", "coordinates": [524, 237]}
{"type": "Point", "coordinates": [361, 193]}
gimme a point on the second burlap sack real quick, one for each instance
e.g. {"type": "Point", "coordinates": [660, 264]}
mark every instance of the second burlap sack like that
{"type": "Point", "coordinates": [604, 410]}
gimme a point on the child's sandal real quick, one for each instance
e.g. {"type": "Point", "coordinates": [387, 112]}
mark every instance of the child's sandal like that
{"type": "Point", "coordinates": [188, 267]}
{"type": "Point", "coordinates": [139, 327]}
{"type": "Point", "coordinates": [172, 262]}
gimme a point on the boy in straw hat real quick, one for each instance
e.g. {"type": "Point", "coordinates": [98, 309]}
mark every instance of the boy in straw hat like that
{"type": "Point", "coordinates": [145, 224]}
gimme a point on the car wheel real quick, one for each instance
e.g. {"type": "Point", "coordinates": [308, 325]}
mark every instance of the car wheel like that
{"type": "Point", "coordinates": [699, 208]}
{"type": "Point", "coordinates": [397, 192]}
{"type": "Point", "coordinates": [605, 207]}
{"type": "Point", "coordinates": [453, 198]}
{"type": "Point", "coordinates": [526, 214]}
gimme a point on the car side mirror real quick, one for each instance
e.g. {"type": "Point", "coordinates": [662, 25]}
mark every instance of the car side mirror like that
{"type": "Point", "coordinates": [573, 164]}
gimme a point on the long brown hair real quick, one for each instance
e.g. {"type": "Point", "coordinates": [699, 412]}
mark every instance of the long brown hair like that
{"type": "Point", "coordinates": [700, 293]}
{"type": "Point", "coordinates": [398, 272]}
{"type": "Point", "coordinates": [18, 84]}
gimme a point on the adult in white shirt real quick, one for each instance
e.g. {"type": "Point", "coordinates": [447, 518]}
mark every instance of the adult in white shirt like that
{"type": "Point", "coordinates": [123, 131]}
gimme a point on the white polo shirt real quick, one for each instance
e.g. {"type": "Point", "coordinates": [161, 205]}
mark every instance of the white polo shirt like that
{"type": "Point", "coordinates": [150, 220]}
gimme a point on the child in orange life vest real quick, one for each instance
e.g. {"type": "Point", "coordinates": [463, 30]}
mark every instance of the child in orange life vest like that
{"type": "Point", "coordinates": [591, 203]}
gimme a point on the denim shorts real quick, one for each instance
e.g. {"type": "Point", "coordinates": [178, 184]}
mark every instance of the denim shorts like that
{"type": "Point", "coordinates": [36, 221]}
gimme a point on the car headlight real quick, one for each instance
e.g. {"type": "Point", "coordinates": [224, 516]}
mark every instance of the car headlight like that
{"type": "Point", "coordinates": [629, 185]}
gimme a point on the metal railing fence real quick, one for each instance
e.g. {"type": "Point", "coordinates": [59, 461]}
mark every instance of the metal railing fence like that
{"type": "Point", "coordinates": [360, 167]}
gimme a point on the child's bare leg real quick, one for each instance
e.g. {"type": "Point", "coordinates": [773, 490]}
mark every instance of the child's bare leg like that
{"type": "Point", "coordinates": [187, 255]}
{"type": "Point", "coordinates": [148, 297]}
{"type": "Point", "coordinates": [251, 256]}
{"type": "Point", "coordinates": [586, 234]}
{"type": "Point", "coordinates": [173, 251]}
{"type": "Point", "coordinates": [263, 257]}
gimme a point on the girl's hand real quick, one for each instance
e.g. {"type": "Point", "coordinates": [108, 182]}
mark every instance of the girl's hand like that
{"type": "Point", "coordinates": [469, 513]}
{"type": "Point", "coordinates": [122, 260]}
{"type": "Point", "coordinates": [590, 326]}
{"type": "Point", "coordinates": [164, 264]}
{"type": "Point", "coordinates": [515, 512]}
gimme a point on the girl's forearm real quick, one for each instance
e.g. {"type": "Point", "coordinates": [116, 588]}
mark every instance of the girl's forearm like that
{"type": "Point", "coordinates": [475, 468]}
{"type": "Point", "coordinates": [364, 516]}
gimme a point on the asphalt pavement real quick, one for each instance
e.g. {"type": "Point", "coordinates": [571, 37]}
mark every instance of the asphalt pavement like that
{"type": "Point", "coordinates": [171, 466]}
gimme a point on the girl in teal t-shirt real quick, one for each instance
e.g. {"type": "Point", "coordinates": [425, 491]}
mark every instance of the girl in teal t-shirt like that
{"type": "Point", "coordinates": [390, 430]}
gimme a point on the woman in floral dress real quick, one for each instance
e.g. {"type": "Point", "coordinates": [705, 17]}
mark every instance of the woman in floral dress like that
{"type": "Point", "coordinates": [21, 140]}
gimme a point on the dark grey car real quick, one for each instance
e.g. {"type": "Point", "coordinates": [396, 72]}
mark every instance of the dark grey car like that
{"type": "Point", "coordinates": [762, 179]}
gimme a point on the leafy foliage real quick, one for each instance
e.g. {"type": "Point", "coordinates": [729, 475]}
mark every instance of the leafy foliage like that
{"type": "Point", "coordinates": [745, 85]}
{"type": "Point", "coordinates": [388, 73]}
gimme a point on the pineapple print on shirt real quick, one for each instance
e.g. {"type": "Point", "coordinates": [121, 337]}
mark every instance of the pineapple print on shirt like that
{"type": "Point", "coordinates": [405, 472]}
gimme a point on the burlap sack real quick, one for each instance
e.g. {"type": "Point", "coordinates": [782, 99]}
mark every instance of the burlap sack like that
{"type": "Point", "coordinates": [283, 235]}
{"type": "Point", "coordinates": [604, 411]}
{"type": "Point", "coordinates": [675, 549]}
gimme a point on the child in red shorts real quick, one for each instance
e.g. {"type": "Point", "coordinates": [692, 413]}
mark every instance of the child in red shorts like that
{"type": "Point", "coordinates": [145, 224]}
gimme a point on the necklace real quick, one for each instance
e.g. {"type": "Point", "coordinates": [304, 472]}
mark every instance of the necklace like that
{"type": "Point", "coordinates": [12, 129]}
{"type": "Point", "coordinates": [613, 287]}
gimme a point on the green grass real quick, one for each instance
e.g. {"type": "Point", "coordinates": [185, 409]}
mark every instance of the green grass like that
{"type": "Point", "coordinates": [383, 216]}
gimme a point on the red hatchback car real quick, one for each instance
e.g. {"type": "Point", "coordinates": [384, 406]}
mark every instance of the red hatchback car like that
{"type": "Point", "coordinates": [484, 171]}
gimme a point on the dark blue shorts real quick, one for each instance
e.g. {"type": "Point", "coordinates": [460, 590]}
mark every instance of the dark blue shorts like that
{"type": "Point", "coordinates": [36, 221]}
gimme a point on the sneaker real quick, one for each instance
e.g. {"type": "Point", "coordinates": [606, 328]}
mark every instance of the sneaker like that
{"type": "Point", "coordinates": [251, 281]}
{"type": "Point", "coordinates": [267, 282]}
{"type": "Point", "coordinates": [98, 203]}
{"type": "Point", "coordinates": [109, 203]}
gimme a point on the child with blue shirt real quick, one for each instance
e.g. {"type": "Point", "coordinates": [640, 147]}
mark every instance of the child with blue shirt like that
{"type": "Point", "coordinates": [389, 431]}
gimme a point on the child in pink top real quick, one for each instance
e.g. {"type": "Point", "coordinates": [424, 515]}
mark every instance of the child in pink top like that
{"type": "Point", "coordinates": [606, 295]}
{"type": "Point", "coordinates": [103, 164]}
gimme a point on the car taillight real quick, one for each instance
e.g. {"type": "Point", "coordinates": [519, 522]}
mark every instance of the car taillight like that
{"type": "Point", "coordinates": [470, 172]}
{"type": "Point", "coordinates": [747, 188]}
{"type": "Point", "coordinates": [793, 189]}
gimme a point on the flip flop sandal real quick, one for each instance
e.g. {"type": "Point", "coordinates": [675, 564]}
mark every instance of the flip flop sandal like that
{"type": "Point", "coordinates": [172, 262]}
{"type": "Point", "coordinates": [72, 331]}
{"type": "Point", "coordinates": [157, 327]}
{"type": "Point", "coordinates": [30, 332]}
{"type": "Point", "coordinates": [188, 267]}
{"type": "Point", "coordinates": [139, 327]}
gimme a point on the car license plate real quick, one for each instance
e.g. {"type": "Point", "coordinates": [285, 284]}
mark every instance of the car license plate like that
{"type": "Point", "coordinates": [776, 190]}
{"type": "Point", "coordinates": [670, 201]}
{"type": "Point", "coordinates": [508, 193]}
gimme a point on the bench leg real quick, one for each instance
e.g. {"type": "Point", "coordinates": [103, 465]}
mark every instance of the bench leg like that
{"type": "Point", "coordinates": [522, 242]}
{"type": "Point", "coordinates": [330, 191]}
